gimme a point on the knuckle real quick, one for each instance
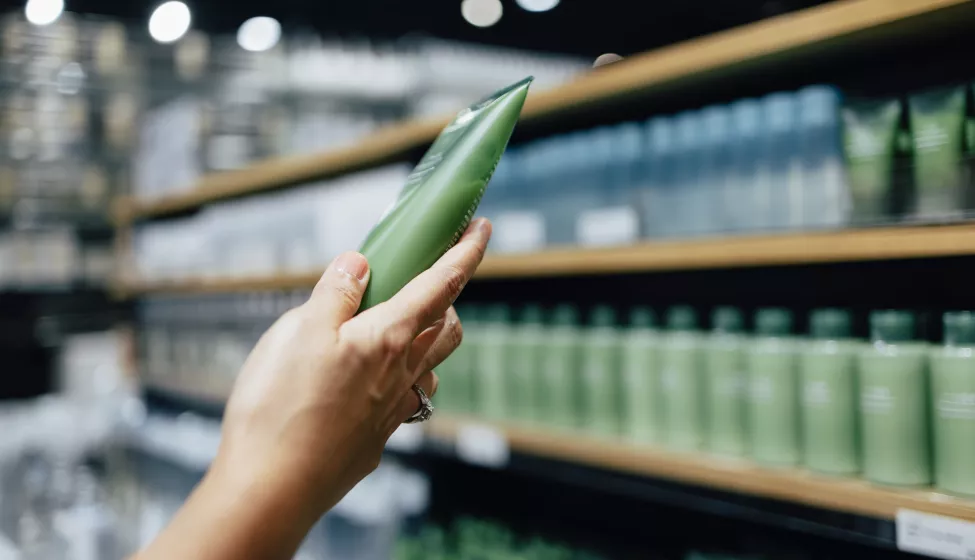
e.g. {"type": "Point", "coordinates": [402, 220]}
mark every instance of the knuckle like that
{"type": "Point", "coordinates": [395, 341]}
{"type": "Point", "coordinates": [454, 279]}
{"type": "Point", "coordinates": [455, 334]}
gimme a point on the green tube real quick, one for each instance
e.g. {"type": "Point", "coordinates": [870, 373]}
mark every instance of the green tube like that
{"type": "Point", "coordinates": [938, 129]}
{"type": "Point", "coordinates": [953, 405]}
{"type": "Point", "coordinates": [870, 132]}
{"type": "Point", "coordinates": [441, 194]}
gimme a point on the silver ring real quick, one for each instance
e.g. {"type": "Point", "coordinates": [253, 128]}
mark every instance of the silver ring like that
{"type": "Point", "coordinates": [426, 407]}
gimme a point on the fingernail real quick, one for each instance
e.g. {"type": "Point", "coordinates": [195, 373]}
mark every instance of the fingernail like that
{"type": "Point", "coordinates": [353, 264]}
{"type": "Point", "coordinates": [482, 227]}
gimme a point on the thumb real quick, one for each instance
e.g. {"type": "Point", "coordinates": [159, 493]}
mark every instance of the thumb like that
{"type": "Point", "coordinates": [338, 293]}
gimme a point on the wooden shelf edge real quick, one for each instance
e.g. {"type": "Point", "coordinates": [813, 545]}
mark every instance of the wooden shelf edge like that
{"type": "Point", "coordinates": [725, 474]}
{"type": "Point", "coordinates": [773, 36]}
{"type": "Point", "coordinates": [893, 243]}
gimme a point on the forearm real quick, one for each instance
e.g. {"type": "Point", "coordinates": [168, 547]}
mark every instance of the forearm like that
{"type": "Point", "coordinates": [232, 517]}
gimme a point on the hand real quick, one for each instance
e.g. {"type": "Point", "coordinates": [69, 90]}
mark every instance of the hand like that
{"type": "Point", "coordinates": [324, 389]}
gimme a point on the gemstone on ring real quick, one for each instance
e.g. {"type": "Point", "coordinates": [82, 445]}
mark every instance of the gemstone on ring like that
{"type": "Point", "coordinates": [426, 407]}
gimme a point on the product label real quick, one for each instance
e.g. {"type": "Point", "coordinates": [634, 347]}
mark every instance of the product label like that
{"type": "Point", "coordinates": [935, 535]}
{"type": "Point", "coordinates": [877, 400]}
{"type": "Point", "coordinates": [518, 232]}
{"type": "Point", "coordinates": [816, 393]}
{"type": "Point", "coordinates": [730, 385]}
{"type": "Point", "coordinates": [669, 379]}
{"type": "Point", "coordinates": [607, 226]}
{"type": "Point", "coordinates": [483, 445]}
{"type": "Point", "coordinates": [959, 406]}
{"type": "Point", "coordinates": [761, 389]}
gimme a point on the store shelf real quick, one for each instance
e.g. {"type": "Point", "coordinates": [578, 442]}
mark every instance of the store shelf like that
{"type": "Point", "coordinates": [727, 252]}
{"type": "Point", "coordinates": [841, 24]}
{"type": "Point", "coordinates": [725, 474]}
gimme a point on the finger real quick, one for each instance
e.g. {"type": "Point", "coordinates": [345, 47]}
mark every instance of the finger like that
{"type": "Point", "coordinates": [338, 293]}
{"type": "Point", "coordinates": [428, 296]}
{"type": "Point", "coordinates": [409, 403]}
{"type": "Point", "coordinates": [606, 59]}
{"type": "Point", "coordinates": [430, 350]}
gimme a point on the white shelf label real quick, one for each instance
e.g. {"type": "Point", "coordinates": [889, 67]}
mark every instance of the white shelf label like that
{"type": "Point", "coordinates": [608, 226]}
{"type": "Point", "coordinates": [483, 446]}
{"type": "Point", "coordinates": [408, 438]}
{"type": "Point", "coordinates": [935, 535]}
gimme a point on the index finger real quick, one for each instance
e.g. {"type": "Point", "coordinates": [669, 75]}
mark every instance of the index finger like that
{"type": "Point", "coordinates": [428, 296]}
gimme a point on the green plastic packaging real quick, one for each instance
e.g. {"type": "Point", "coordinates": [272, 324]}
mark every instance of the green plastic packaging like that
{"type": "Point", "coordinates": [773, 390]}
{"type": "Point", "coordinates": [559, 381]}
{"type": "Point", "coordinates": [601, 383]}
{"type": "Point", "coordinates": [938, 129]}
{"type": "Point", "coordinates": [680, 387]}
{"type": "Point", "coordinates": [953, 405]}
{"type": "Point", "coordinates": [724, 382]}
{"type": "Point", "coordinates": [894, 403]}
{"type": "Point", "coordinates": [827, 369]}
{"type": "Point", "coordinates": [526, 361]}
{"type": "Point", "coordinates": [493, 359]}
{"type": "Point", "coordinates": [441, 194]}
{"type": "Point", "coordinates": [641, 377]}
{"type": "Point", "coordinates": [869, 138]}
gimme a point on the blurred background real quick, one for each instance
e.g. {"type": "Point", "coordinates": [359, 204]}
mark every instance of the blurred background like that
{"type": "Point", "coordinates": [725, 314]}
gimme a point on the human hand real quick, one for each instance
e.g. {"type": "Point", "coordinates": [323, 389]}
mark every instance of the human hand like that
{"type": "Point", "coordinates": [324, 389]}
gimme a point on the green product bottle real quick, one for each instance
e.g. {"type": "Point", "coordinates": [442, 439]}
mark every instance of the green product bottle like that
{"type": "Point", "coordinates": [773, 390]}
{"type": "Point", "coordinates": [559, 381]}
{"type": "Point", "coordinates": [894, 403]}
{"type": "Point", "coordinates": [601, 383]}
{"type": "Point", "coordinates": [526, 360]}
{"type": "Point", "coordinates": [680, 386]}
{"type": "Point", "coordinates": [953, 405]}
{"type": "Point", "coordinates": [640, 356]}
{"type": "Point", "coordinates": [724, 382]}
{"type": "Point", "coordinates": [441, 194]}
{"type": "Point", "coordinates": [870, 138]}
{"type": "Point", "coordinates": [456, 391]}
{"type": "Point", "coordinates": [827, 369]}
{"type": "Point", "coordinates": [494, 350]}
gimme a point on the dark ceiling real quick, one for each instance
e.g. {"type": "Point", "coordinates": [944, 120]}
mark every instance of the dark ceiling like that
{"type": "Point", "coordinates": [585, 27]}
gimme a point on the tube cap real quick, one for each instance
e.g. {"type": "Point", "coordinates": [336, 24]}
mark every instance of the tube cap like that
{"type": "Point", "coordinates": [531, 314]}
{"type": "Point", "coordinates": [892, 326]}
{"type": "Point", "coordinates": [773, 321]}
{"type": "Point", "coordinates": [959, 327]}
{"type": "Point", "coordinates": [727, 320]}
{"type": "Point", "coordinates": [565, 314]}
{"type": "Point", "coordinates": [829, 324]}
{"type": "Point", "coordinates": [497, 313]}
{"type": "Point", "coordinates": [642, 316]}
{"type": "Point", "coordinates": [681, 318]}
{"type": "Point", "coordinates": [602, 316]}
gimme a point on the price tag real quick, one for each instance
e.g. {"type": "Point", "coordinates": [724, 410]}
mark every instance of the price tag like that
{"type": "Point", "coordinates": [607, 226]}
{"type": "Point", "coordinates": [408, 438]}
{"type": "Point", "coordinates": [935, 535]}
{"type": "Point", "coordinates": [519, 232]}
{"type": "Point", "coordinates": [483, 446]}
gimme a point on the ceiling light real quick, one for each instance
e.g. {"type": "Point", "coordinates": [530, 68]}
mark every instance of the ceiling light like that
{"type": "Point", "coordinates": [259, 34]}
{"type": "Point", "coordinates": [43, 12]}
{"type": "Point", "coordinates": [481, 13]}
{"type": "Point", "coordinates": [537, 5]}
{"type": "Point", "coordinates": [169, 22]}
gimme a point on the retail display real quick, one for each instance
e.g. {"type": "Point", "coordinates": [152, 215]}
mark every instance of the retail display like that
{"type": "Point", "coordinates": [773, 390]}
{"type": "Point", "coordinates": [953, 405]}
{"type": "Point", "coordinates": [725, 383]}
